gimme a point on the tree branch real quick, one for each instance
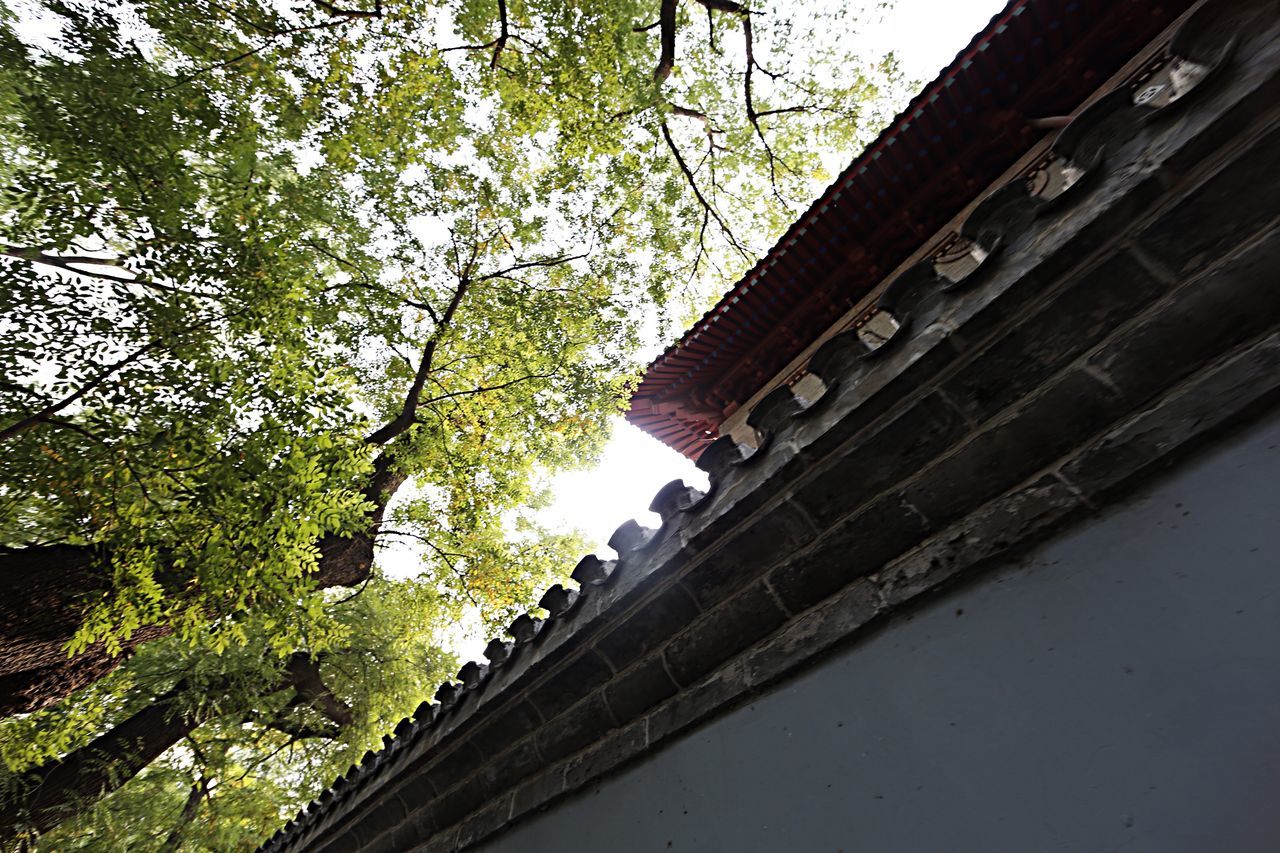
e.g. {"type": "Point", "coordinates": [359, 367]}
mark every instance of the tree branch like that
{"type": "Point", "coordinates": [344, 17]}
{"type": "Point", "coordinates": [800, 108]}
{"type": "Point", "coordinates": [299, 730]}
{"type": "Point", "coordinates": [67, 262]}
{"type": "Point", "coordinates": [199, 790]}
{"type": "Point", "coordinates": [667, 40]}
{"type": "Point", "coordinates": [304, 675]}
{"type": "Point", "coordinates": [407, 414]}
{"type": "Point", "coordinates": [447, 557]}
{"type": "Point", "coordinates": [48, 411]}
{"type": "Point", "coordinates": [482, 389]}
{"type": "Point", "coordinates": [497, 44]}
{"type": "Point", "coordinates": [753, 116]}
{"type": "Point", "coordinates": [76, 264]}
{"type": "Point", "coordinates": [56, 790]}
{"type": "Point", "coordinates": [59, 788]}
{"type": "Point", "coordinates": [707, 207]}
{"type": "Point", "coordinates": [405, 418]}
{"type": "Point", "coordinates": [524, 265]}
{"type": "Point", "coordinates": [727, 6]}
{"type": "Point", "coordinates": [501, 41]}
{"type": "Point", "coordinates": [337, 12]}
{"type": "Point", "coordinates": [106, 373]}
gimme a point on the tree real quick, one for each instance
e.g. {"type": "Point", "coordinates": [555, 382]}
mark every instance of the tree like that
{"type": "Point", "coordinates": [180, 733]}
{"type": "Point", "coordinates": [263, 268]}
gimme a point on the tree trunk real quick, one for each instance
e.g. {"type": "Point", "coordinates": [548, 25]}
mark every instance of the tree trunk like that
{"type": "Point", "coordinates": [57, 791]}
{"type": "Point", "coordinates": [45, 594]}
{"type": "Point", "coordinates": [42, 607]}
{"type": "Point", "coordinates": [46, 590]}
{"type": "Point", "coordinates": [46, 796]}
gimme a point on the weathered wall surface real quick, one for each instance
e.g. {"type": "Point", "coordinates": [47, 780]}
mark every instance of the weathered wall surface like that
{"type": "Point", "coordinates": [1118, 689]}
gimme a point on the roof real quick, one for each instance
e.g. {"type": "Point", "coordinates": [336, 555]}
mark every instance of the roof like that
{"type": "Point", "coordinates": [1034, 59]}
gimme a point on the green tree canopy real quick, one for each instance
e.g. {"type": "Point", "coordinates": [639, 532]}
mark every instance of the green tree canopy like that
{"type": "Point", "coordinates": [266, 265]}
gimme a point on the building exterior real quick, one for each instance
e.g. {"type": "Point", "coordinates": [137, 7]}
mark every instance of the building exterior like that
{"type": "Point", "coordinates": [988, 557]}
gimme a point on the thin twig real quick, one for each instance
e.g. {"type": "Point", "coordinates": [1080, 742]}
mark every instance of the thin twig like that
{"type": "Point", "coordinates": [697, 192]}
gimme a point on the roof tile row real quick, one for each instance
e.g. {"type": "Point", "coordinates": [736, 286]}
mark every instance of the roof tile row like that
{"type": "Point", "coordinates": [1035, 58]}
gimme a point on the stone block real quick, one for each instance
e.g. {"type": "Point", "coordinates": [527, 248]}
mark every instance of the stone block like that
{"type": "Point", "coordinates": [387, 814]}
{"type": "Point", "coordinates": [699, 702]}
{"type": "Point", "coordinates": [453, 767]}
{"type": "Point", "coordinates": [857, 546]}
{"type": "Point", "coordinates": [732, 501]}
{"type": "Point", "coordinates": [444, 842]}
{"type": "Point", "coordinates": [1211, 398]}
{"type": "Point", "coordinates": [1231, 303]}
{"type": "Point", "coordinates": [508, 769]}
{"type": "Point", "coordinates": [722, 633]}
{"type": "Point", "coordinates": [896, 449]}
{"type": "Point", "coordinates": [353, 839]}
{"type": "Point", "coordinates": [620, 746]}
{"type": "Point", "coordinates": [418, 790]}
{"type": "Point", "coordinates": [1062, 415]}
{"type": "Point", "coordinates": [648, 627]}
{"type": "Point", "coordinates": [569, 684]}
{"type": "Point", "coordinates": [849, 408]}
{"type": "Point", "coordinates": [639, 688]}
{"type": "Point", "coordinates": [1011, 521]}
{"type": "Point", "coordinates": [1258, 91]}
{"type": "Point", "coordinates": [1090, 308]}
{"type": "Point", "coordinates": [484, 822]}
{"type": "Point", "coordinates": [747, 552]}
{"type": "Point", "coordinates": [537, 792]}
{"type": "Point", "coordinates": [504, 728]}
{"type": "Point", "coordinates": [575, 729]}
{"type": "Point", "coordinates": [1199, 228]}
{"type": "Point", "coordinates": [408, 836]}
{"type": "Point", "coordinates": [458, 803]}
{"type": "Point", "coordinates": [813, 632]}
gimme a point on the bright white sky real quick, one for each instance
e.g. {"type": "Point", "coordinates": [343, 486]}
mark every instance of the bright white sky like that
{"type": "Point", "coordinates": [926, 35]}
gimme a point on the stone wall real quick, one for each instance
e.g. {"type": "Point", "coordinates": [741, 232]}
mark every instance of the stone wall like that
{"type": "Point", "coordinates": [1116, 689]}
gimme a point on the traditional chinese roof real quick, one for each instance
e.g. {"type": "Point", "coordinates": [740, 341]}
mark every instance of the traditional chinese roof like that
{"type": "Point", "coordinates": [1035, 59]}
